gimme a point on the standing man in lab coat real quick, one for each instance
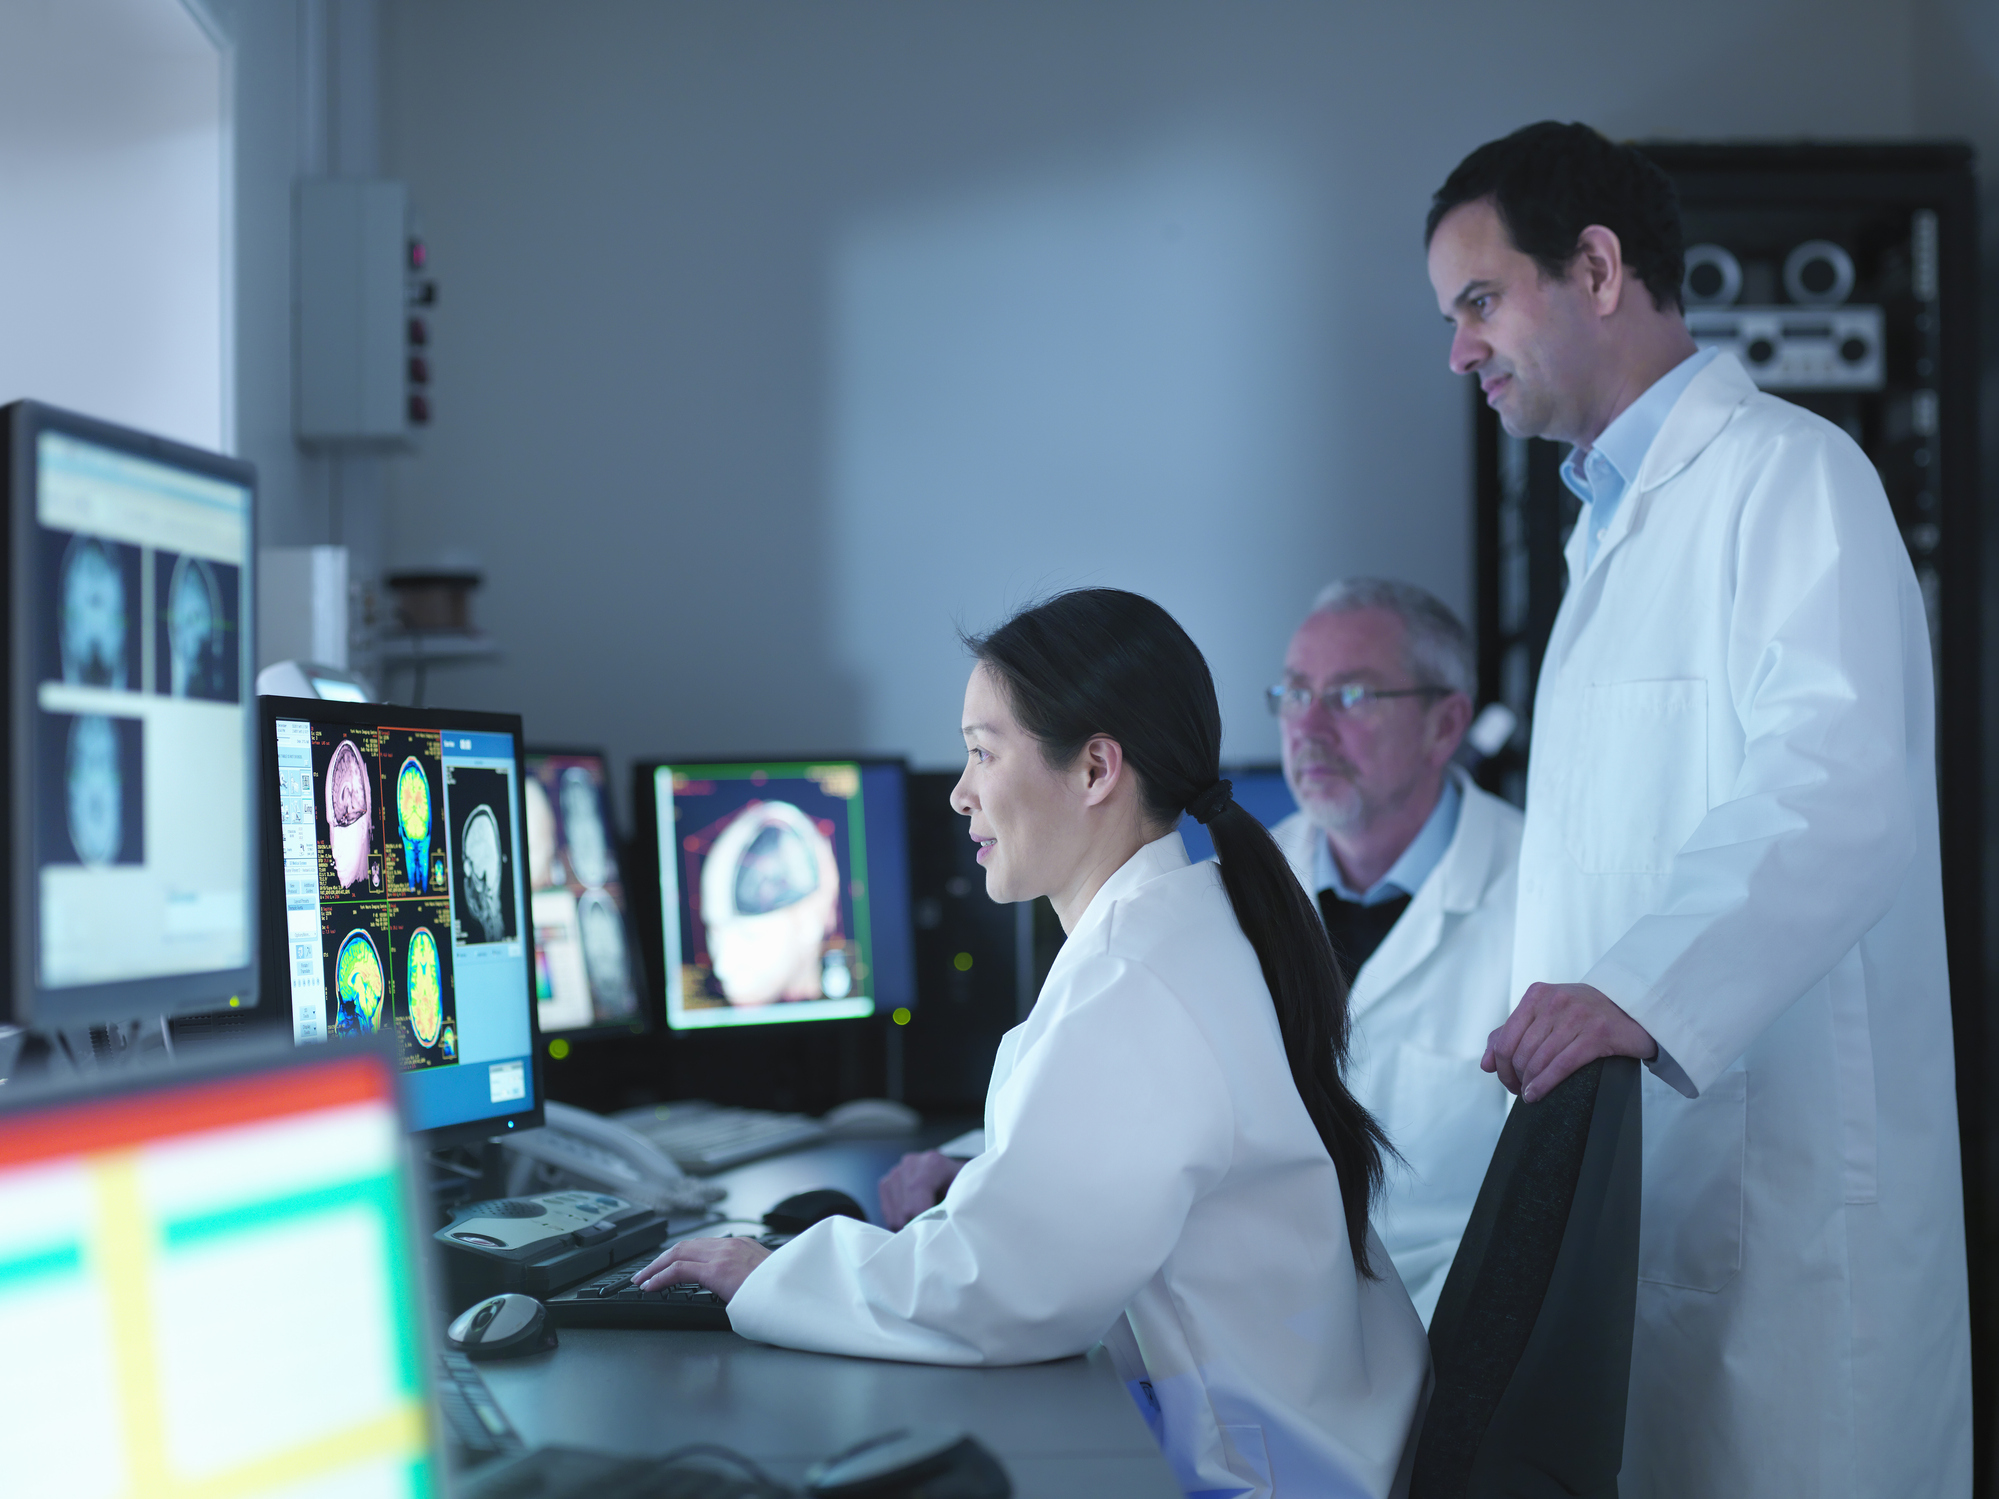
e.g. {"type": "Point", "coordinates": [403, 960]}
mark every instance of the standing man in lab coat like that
{"type": "Point", "coordinates": [1729, 867]}
{"type": "Point", "coordinates": [1412, 867]}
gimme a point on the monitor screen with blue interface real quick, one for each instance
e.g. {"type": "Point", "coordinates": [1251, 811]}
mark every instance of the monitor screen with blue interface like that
{"type": "Point", "coordinates": [783, 891]}
{"type": "Point", "coordinates": [130, 595]}
{"type": "Point", "coordinates": [1260, 790]}
{"type": "Point", "coordinates": [405, 897]}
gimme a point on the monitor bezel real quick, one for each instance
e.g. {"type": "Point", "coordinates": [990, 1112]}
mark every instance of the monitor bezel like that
{"type": "Point", "coordinates": [645, 1021]}
{"type": "Point", "coordinates": [31, 1004]}
{"type": "Point", "coordinates": [645, 862]}
{"type": "Point", "coordinates": [271, 881]}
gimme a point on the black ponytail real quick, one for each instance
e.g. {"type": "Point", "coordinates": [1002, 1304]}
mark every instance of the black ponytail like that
{"type": "Point", "coordinates": [1103, 661]}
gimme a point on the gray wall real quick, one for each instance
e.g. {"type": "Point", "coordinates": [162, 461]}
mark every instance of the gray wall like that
{"type": "Point", "coordinates": [777, 340]}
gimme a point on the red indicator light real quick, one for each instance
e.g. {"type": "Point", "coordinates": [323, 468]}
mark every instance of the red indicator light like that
{"type": "Point", "coordinates": [419, 256]}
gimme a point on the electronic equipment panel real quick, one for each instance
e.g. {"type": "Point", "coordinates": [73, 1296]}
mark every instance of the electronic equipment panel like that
{"type": "Point", "coordinates": [128, 753]}
{"type": "Point", "coordinates": [218, 1281]}
{"type": "Point", "coordinates": [397, 898]}
{"type": "Point", "coordinates": [586, 964]}
{"type": "Point", "coordinates": [783, 890]}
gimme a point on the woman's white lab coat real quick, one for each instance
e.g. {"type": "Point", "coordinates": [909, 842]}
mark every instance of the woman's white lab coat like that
{"type": "Point", "coordinates": [1732, 831]}
{"type": "Point", "coordinates": [1423, 1006]}
{"type": "Point", "coordinates": [1151, 1179]}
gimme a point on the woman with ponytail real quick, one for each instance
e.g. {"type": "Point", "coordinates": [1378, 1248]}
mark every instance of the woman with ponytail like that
{"type": "Point", "coordinates": [1173, 1164]}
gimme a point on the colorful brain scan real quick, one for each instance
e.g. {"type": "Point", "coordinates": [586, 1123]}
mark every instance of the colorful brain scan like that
{"type": "Point", "coordinates": [92, 624]}
{"type": "Point", "coordinates": [770, 896]}
{"type": "Point", "coordinates": [347, 806]}
{"type": "Point", "coordinates": [425, 988]}
{"type": "Point", "coordinates": [777, 869]}
{"type": "Point", "coordinates": [357, 983]}
{"type": "Point", "coordinates": [413, 813]}
{"type": "Point", "coordinates": [96, 791]}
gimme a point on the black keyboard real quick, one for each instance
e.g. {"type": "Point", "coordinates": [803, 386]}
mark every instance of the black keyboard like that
{"type": "Point", "coordinates": [611, 1300]}
{"type": "Point", "coordinates": [478, 1430]}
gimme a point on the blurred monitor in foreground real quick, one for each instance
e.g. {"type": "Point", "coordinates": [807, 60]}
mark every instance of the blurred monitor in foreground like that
{"type": "Point", "coordinates": [209, 1285]}
{"type": "Point", "coordinates": [783, 890]}
{"type": "Point", "coordinates": [586, 975]}
{"type": "Point", "coordinates": [128, 595]}
{"type": "Point", "coordinates": [1259, 790]}
{"type": "Point", "coordinates": [398, 899]}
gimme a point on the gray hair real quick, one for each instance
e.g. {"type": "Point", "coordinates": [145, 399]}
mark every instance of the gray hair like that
{"type": "Point", "coordinates": [1439, 646]}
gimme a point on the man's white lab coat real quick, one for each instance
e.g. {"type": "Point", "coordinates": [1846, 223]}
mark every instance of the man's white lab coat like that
{"type": "Point", "coordinates": [1423, 1005]}
{"type": "Point", "coordinates": [1152, 1179]}
{"type": "Point", "coordinates": [1732, 831]}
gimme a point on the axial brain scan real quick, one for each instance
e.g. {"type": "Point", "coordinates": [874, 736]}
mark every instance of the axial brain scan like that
{"type": "Point", "coordinates": [357, 984]}
{"type": "Point", "coordinates": [413, 812]}
{"type": "Point", "coordinates": [770, 896]}
{"type": "Point", "coordinates": [96, 789]}
{"type": "Point", "coordinates": [426, 988]}
{"type": "Point", "coordinates": [479, 853]}
{"type": "Point", "coordinates": [92, 625]}
{"type": "Point", "coordinates": [194, 622]}
{"type": "Point", "coordinates": [348, 804]}
{"type": "Point", "coordinates": [583, 827]}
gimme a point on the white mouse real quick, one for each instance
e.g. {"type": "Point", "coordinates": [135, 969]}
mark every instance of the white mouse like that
{"type": "Point", "coordinates": [873, 1116]}
{"type": "Point", "coordinates": [502, 1327]}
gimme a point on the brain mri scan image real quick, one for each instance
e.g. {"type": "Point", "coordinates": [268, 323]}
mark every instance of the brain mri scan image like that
{"type": "Point", "coordinates": [583, 827]}
{"type": "Point", "coordinates": [425, 988]}
{"type": "Point", "coordinates": [770, 896]}
{"type": "Point", "coordinates": [96, 790]}
{"type": "Point", "coordinates": [93, 610]}
{"type": "Point", "coordinates": [358, 986]}
{"type": "Point", "coordinates": [541, 836]}
{"type": "Point", "coordinates": [349, 812]}
{"type": "Point", "coordinates": [413, 815]}
{"type": "Point", "coordinates": [604, 954]}
{"type": "Point", "coordinates": [197, 631]}
{"type": "Point", "coordinates": [482, 871]}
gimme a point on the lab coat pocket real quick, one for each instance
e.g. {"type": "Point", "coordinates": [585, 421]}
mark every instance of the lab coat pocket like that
{"type": "Point", "coordinates": [1637, 784]}
{"type": "Point", "coordinates": [1690, 1233]}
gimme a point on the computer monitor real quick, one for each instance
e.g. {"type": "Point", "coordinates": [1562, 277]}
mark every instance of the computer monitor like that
{"type": "Point", "coordinates": [128, 818]}
{"type": "Point", "coordinates": [211, 1284]}
{"type": "Point", "coordinates": [587, 976]}
{"type": "Point", "coordinates": [783, 890]}
{"type": "Point", "coordinates": [1259, 790]}
{"type": "Point", "coordinates": [397, 899]}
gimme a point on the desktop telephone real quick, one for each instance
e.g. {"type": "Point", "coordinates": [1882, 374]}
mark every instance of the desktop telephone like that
{"type": "Point", "coordinates": [576, 1148]}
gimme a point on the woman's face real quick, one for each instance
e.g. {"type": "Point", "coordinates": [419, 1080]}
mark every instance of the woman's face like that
{"type": "Point", "coordinates": [1028, 818]}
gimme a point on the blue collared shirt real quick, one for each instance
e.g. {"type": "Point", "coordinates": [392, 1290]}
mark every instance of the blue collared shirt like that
{"type": "Point", "coordinates": [1599, 475]}
{"type": "Point", "coordinates": [1406, 875]}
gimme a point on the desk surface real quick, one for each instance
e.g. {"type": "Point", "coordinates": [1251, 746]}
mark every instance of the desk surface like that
{"type": "Point", "coordinates": [1062, 1429]}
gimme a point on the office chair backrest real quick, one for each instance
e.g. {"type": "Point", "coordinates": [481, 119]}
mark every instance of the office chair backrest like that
{"type": "Point", "coordinates": [1531, 1339]}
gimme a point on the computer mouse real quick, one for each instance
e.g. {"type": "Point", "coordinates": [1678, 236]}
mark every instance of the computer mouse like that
{"type": "Point", "coordinates": [872, 1116]}
{"type": "Point", "coordinates": [503, 1326]}
{"type": "Point", "coordinates": [797, 1213]}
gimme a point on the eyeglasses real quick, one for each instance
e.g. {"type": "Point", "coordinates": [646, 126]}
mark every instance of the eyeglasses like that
{"type": "Point", "coordinates": [1348, 700]}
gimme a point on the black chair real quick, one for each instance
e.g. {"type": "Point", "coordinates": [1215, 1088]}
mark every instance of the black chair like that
{"type": "Point", "coordinates": [1531, 1339]}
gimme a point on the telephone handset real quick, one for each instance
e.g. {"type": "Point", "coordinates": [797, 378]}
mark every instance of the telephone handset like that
{"type": "Point", "coordinates": [577, 1148]}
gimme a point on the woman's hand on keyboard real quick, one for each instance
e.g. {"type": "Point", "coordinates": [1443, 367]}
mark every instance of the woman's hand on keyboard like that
{"type": "Point", "coordinates": [722, 1265]}
{"type": "Point", "coordinates": [915, 1185]}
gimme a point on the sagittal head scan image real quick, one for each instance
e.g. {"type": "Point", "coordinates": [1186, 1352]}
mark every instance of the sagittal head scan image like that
{"type": "Point", "coordinates": [96, 790]}
{"type": "Point", "coordinates": [93, 610]}
{"type": "Point", "coordinates": [770, 896]}
{"type": "Point", "coordinates": [413, 814]}
{"type": "Point", "coordinates": [425, 988]}
{"type": "Point", "coordinates": [583, 828]}
{"type": "Point", "coordinates": [197, 646]}
{"type": "Point", "coordinates": [604, 955]}
{"type": "Point", "coordinates": [541, 836]}
{"type": "Point", "coordinates": [358, 985]}
{"type": "Point", "coordinates": [349, 809]}
{"type": "Point", "coordinates": [481, 872]}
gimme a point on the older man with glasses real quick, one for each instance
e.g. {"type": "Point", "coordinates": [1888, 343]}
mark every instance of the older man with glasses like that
{"type": "Point", "coordinates": [1413, 868]}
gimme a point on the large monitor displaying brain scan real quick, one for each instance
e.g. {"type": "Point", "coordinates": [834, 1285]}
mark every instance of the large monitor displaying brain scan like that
{"type": "Point", "coordinates": [586, 964]}
{"type": "Point", "coordinates": [784, 891]}
{"type": "Point", "coordinates": [129, 597]}
{"type": "Point", "coordinates": [402, 870]}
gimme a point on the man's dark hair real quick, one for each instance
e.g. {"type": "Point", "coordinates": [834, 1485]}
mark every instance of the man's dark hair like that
{"type": "Point", "coordinates": [1551, 181]}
